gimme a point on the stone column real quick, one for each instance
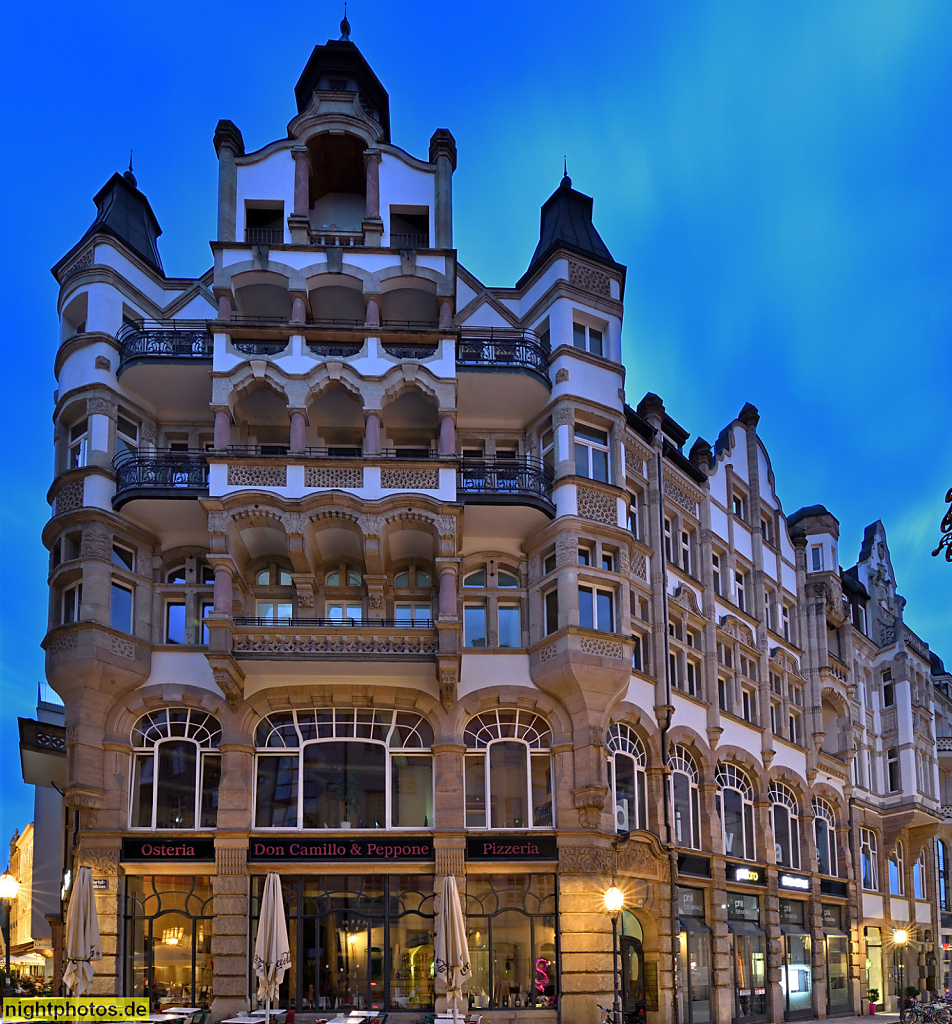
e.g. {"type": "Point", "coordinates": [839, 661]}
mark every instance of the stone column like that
{"type": "Point", "coordinates": [448, 773]}
{"type": "Point", "coordinates": [448, 591]}
{"type": "Point", "coordinates": [371, 433]}
{"type": "Point", "coordinates": [56, 930]}
{"type": "Point", "coordinates": [222, 428]}
{"type": "Point", "coordinates": [446, 313]}
{"type": "Point", "coordinates": [224, 306]}
{"type": "Point", "coordinates": [298, 309]}
{"type": "Point", "coordinates": [228, 145]}
{"type": "Point", "coordinates": [298, 431]}
{"type": "Point", "coordinates": [298, 220]}
{"type": "Point", "coordinates": [447, 435]}
{"type": "Point", "coordinates": [372, 223]}
{"type": "Point", "coordinates": [372, 318]}
{"type": "Point", "coordinates": [443, 154]}
{"type": "Point", "coordinates": [103, 860]}
{"type": "Point", "coordinates": [230, 927]}
{"type": "Point", "coordinates": [223, 588]}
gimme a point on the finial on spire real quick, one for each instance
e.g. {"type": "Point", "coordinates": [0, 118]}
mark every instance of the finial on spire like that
{"type": "Point", "coordinates": [129, 176]}
{"type": "Point", "coordinates": [345, 26]}
{"type": "Point", "coordinates": [566, 180]}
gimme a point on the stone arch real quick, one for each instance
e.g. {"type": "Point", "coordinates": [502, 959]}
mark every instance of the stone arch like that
{"type": "Point", "coordinates": [749, 764]}
{"type": "Point", "coordinates": [626, 713]}
{"type": "Point", "coordinates": [336, 296]}
{"type": "Point", "coordinates": [699, 749]}
{"type": "Point", "coordinates": [514, 698]}
{"type": "Point", "coordinates": [796, 783]}
{"type": "Point", "coordinates": [127, 710]}
{"type": "Point", "coordinates": [262, 292]}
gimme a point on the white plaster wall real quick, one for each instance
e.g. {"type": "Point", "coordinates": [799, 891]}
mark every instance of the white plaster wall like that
{"type": "Point", "coordinates": [155, 289]}
{"type": "Point", "coordinates": [269, 178]}
{"type": "Point", "coordinates": [486, 315]}
{"type": "Point", "coordinates": [688, 713]}
{"type": "Point", "coordinates": [403, 185]}
{"type": "Point", "coordinates": [492, 669]}
{"type": "Point", "coordinates": [586, 380]}
{"type": "Point", "coordinates": [79, 369]}
{"type": "Point", "coordinates": [747, 737]}
{"type": "Point", "coordinates": [464, 294]}
{"type": "Point", "coordinates": [182, 668]}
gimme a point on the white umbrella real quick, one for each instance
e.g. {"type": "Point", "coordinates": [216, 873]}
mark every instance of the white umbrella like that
{"type": "Point", "coordinates": [82, 934]}
{"type": "Point", "coordinates": [272, 949]}
{"type": "Point", "coordinates": [451, 952]}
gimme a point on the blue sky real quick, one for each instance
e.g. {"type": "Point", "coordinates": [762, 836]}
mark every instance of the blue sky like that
{"type": "Point", "coordinates": [775, 176]}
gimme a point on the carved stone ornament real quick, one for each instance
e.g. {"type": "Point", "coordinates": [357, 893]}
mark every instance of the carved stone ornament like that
{"type": "Point", "coordinates": [102, 861]}
{"type": "Point", "coordinates": [102, 363]}
{"type": "Point", "coordinates": [639, 566]}
{"type": "Point", "coordinates": [96, 405]}
{"type": "Point", "coordinates": [448, 689]}
{"type": "Point", "coordinates": [409, 479]}
{"type": "Point", "coordinates": [589, 279]}
{"type": "Point", "coordinates": [227, 685]}
{"type": "Point", "coordinates": [547, 653]}
{"type": "Point", "coordinates": [678, 493]}
{"type": "Point", "coordinates": [67, 642]}
{"type": "Point", "coordinates": [445, 525]}
{"type": "Point", "coordinates": [375, 600]}
{"type": "Point", "coordinates": [370, 526]}
{"type": "Point", "coordinates": [563, 416]}
{"type": "Point", "coordinates": [334, 477]}
{"type": "Point", "coordinates": [96, 543]}
{"type": "Point", "coordinates": [69, 497]}
{"type": "Point", "coordinates": [295, 522]}
{"type": "Point", "coordinates": [589, 817]}
{"type": "Point", "coordinates": [639, 858]}
{"type": "Point", "coordinates": [598, 506]}
{"type": "Point", "coordinates": [218, 522]}
{"type": "Point", "coordinates": [601, 648]}
{"type": "Point", "coordinates": [122, 648]}
{"type": "Point", "coordinates": [585, 860]}
{"type": "Point", "coordinates": [257, 476]}
{"type": "Point", "coordinates": [561, 375]}
{"type": "Point", "coordinates": [305, 599]}
{"type": "Point", "coordinates": [450, 861]}
{"type": "Point", "coordinates": [230, 861]}
{"type": "Point", "coordinates": [81, 262]}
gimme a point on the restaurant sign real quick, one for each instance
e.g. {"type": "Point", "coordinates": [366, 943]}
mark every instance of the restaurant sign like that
{"type": "Point", "coordinates": [185, 850]}
{"type": "Point", "coordinates": [749, 874]}
{"type": "Point", "coordinates": [511, 847]}
{"type": "Point", "coordinates": [399, 848]}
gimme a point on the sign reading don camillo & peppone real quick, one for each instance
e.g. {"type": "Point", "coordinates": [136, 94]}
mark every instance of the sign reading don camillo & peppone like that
{"type": "Point", "coordinates": [398, 848]}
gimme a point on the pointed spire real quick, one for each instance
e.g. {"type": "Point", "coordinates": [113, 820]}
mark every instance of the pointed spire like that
{"type": "Point", "coordinates": [566, 181]}
{"type": "Point", "coordinates": [129, 176]}
{"type": "Point", "coordinates": [345, 26]}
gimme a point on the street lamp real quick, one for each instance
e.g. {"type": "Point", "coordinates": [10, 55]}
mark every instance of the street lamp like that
{"type": "Point", "coordinates": [901, 937]}
{"type": "Point", "coordinates": [9, 887]}
{"type": "Point", "coordinates": [614, 901]}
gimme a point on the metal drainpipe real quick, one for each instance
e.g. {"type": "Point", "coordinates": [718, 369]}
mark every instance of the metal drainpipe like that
{"type": "Point", "coordinates": [668, 816]}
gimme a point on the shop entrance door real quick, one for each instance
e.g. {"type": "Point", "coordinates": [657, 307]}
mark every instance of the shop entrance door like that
{"type": "Point", "coordinates": [796, 976]}
{"type": "Point", "coordinates": [750, 976]}
{"type": "Point", "coordinates": [837, 974]}
{"type": "Point", "coordinates": [696, 974]}
{"type": "Point", "coordinates": [632, 978]}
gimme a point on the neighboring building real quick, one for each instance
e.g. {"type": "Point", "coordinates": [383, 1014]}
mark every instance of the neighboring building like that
{"type": "Point", "coordinates": [366, 572]}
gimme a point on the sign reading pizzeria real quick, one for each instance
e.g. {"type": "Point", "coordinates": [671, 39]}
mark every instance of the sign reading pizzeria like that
{"type": "Point", "coordinates": [511, 847]}
{"type": "Point", "coordinates": [399, 848]}
{"type": "Point", "coordinates": [184, 850]}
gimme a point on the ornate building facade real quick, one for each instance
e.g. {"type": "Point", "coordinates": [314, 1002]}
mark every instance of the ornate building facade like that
{"type": "Point", "coordinates": [368, 572]}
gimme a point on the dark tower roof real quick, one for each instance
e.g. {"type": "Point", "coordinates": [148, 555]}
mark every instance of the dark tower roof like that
{"type": "Point", "coordinates": [123, 211]}
{"type": "Point", "coordinates": [340, 59]}
{"type": "Point", "coordinates": [566, 222]}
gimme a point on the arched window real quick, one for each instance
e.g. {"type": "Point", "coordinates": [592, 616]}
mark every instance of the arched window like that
{"type": "Point", "coordinates": [412, 596]}
{"type": "Point", "coordinates": [942, 865]}
{"type": "Point", "coordinates": [824, 833]}
{"type": "Point", "coordinates": [492, 606]}
{"type": "Point", "coordinates": [897, 871]}
{"type": "Point", "coordinates": [685, 798]}
{"type": "Point", "coordinates": [919, 876]}
{"type": "Point", "coordinates": [176, 769]}
{"type": "Point", "coordinates": [343, 594]}
{"type": "Point", "coordinates": [508, 770]}
{"type": "Point", "coordinates": [627, 761]}
{"type": "Point", "coordinates": [344, 768]}
{"type": "Point", "coordinates": [735, 805]}
{"type": "Point", "coordinates": [784, 813]}
{"type": "Point", "coordinates": [274, 593]}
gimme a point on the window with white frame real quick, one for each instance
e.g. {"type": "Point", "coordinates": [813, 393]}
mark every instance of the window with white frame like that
{"type": "Point", "coordinates": [668, 539]}
{"type": "Point", "coordinates": [784, 814]}
{"type": "Point", "coordinates": [78, 444]}
{"type": "Point", "coordinates": [72, 604]}
{"type": "Point", "coordinates": [919, 876]}
{"type": "Point", "coordinates": [897, 871]}
{"type": "Point", "coordinates": [548, 450]}
{"type": "Point", "coordinates": [785, 621]}
{"type": "Point", "coordinates": [508, 777]}
{"type": "Point", "coordinates": [816, 558]}
{"type": "Point", "coordinates": [889, 689]}
{"type": "Point", "coordinates": [627, 762]}
{"type": "Point", "coordinates": [893, 776]}
{"type": "Point", "coordinates": [176, 770]}
{"type": "Point", "coordinates": [824, 834]}
{"type": "Point", "coordinates": [716, 565]}
{"type": "Point", "coordinates": [685, 550]}
{"type": "Point", "coordinates": [869, 859]}
{"type": "Point", "coordinates": [740, 589]}
{"type": "Point", "coordinates": [589, 339]}
{"type": "Point", "coordinates": [127, 438]}
{"type": "Point", "coordinates": [120, 606]}
{"type": "Point", "coordinates": [412, 600]}
{"type": "Point", "coordinates": [343, 768]}
{"type": "Point", "coordinates": [739, 505]}
{"type": "Point", "coordinates": [735, 807]}
{"type": "Point", "coordinates": [343, 593]}
{"type": "Point", "coordinates": [592, 453]}
{"type": "Point", "coordinates": [492, 606]}
{"type": "Point", "coordinates": [596, 608]}
{"type": "Point", "coordinates": [123, 557]}
{"type": "Point", "coordinates": [685, 797]}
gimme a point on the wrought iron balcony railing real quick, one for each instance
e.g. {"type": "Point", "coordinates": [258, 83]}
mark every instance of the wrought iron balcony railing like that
{"type": "Point", "coordinates": [511, 479]}
{"type": "Point", "coordinates": [502, 348]}
{"type": "Point", "coordinates": [409, 240]}
{"type": "Point", "coordinates": [172, 340]}
{"type": "Point", "coordinates": [259, 347]}
{"type": "Point", "coordinates": [343, 451]}
{"type": "Point", "coordinates": [160, 473]}
{"type": "Point", "coordinates": [264, 236]}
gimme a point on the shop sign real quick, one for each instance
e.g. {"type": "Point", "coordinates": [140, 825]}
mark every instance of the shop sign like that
{"type": "Point", "coordinates": [832, 916]}
{"type": "Point", "coordinates": [690, 902]}
{"type": "Point", "coordinates": [832, 887]}
{"type": "Point", "coordinates": [741, 907]}
{"type": "Point", "coordinates": [788, 881]}
{"type": "Point", "coordinates": [691, 864]}
{"type": "Point", "coordinates": [511, 847]}
{"type": "Point", "coordinates": [746, 873]}
{"type": "Point", "coordinates": [100, 885]}
{"type": "Point", "coordinates": [398, 848]}
{"type": "Point", "coordinates": [791, 911]}
{"type": "Point", "coordinates": [185, 850]}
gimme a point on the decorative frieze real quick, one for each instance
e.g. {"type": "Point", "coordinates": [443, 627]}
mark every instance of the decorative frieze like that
{"type": "Point", "coordinates": [122, 648]}
{"type": "Point", "coordinates": [66, 642]}
{"type": "Point", "coordinates": [547, 653]}
{"type": "Point", "coordinates": [601, 648]}
{"type": "Point", "coordinates": [69, 498]}
{"type": "Point", "coordinates": [639, 566]}
{"type": "Point", "coordinates": [584, 860]}
{"type": "Point", "coordinates": [589, 279]}
{"type": "Point", "coordinates": [681, 497]}
{"type": "Point", "coordinates": [230, 861]}
{"type": "Point", "coordinates": [333, 643]}
{"type": "Point", "coordinates": [561, 375]}
{"type": "Point", "coordinates": [102, 363]}
{"type": "Point", "coordinates": [318, 476]}
{"type": "Point", "coordinates": [450, 861]}
{"type": "Point", "coordinates": [409, 479]}
{"type": "Point", "coordinates": [634, 461]}
{"type": "Point", "coordinates": [598, 506]}
{"type": "Point", "coordinates": [257, 476]}
{"type": "Point", "coordinates": [83, 261]}
{"type": "Point", "coordinates": [101, 860]}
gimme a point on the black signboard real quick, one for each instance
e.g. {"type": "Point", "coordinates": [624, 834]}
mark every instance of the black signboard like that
{"type": "Point", "coordinates": [791, 911]}
{"type": "Point", "coordinates": [154, 848]}
{"type": "Point", "coordinates": [749, 874]}
{"type": "Point", "coordinates": [786, 880]}
{"type": "Point", "coordinates": [690, 902]}
{"type": "Point", "coordinates": [832, 916]}
{"type": "Point", "coordinates": [691, 864]}
{"type": "Point", "coordinates": [831, 887]}
{"type": "Point", "coordinates": [308, 850]}
{"type": "Point", "coordinates": [511, 847]}
{"type": "Point", "coordinates": [741, 907]}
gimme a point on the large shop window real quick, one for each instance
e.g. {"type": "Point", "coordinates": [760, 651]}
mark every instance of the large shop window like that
{"type": "Point", "coordinates": [784, 813]}
{"type": "Point", "coordinates": [168, 921]}
{"type": "Point", "coordinates": [510, 928]}
{"type": "Point", "coordinates": [176, 769]}
{"type": "Point", "coordinates": [685, 780]}
{"type": "Point", "coordinates": [508, 771]}
{"type": "Point", "coordinates": [824, 832]}
{"type": "Point", "coordinates": [358, 942]}
{"type": "Point", "coordinates": [344, 768]}
{"type": "Point", "coordinates": [627, 762]}
{"type": "Point", "coordinates": [735, 807]}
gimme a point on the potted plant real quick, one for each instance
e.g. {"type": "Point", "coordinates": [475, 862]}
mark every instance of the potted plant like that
{"type": "Point", "coordinates": [912, 993]}
{"type": "Point", "coordinates": [872, 995]}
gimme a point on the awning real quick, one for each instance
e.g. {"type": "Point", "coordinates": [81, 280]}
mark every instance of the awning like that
{"type": "Point", "coordinates": [27, 960]}
{"type": "Point", "coordinates": [693, 924]}
{"type": "Point", "coordinates": [745, 926]}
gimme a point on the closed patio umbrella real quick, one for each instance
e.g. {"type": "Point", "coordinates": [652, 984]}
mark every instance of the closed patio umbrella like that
{"type": "Point", "coordinates": [272, 949]}
{"type": "Point", "coordinates": [82, 934]}
{"type": "Point", "coordinates": [451, 951]}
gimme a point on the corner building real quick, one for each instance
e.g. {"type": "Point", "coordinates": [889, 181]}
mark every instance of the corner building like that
{"type": "Point", "coordinates": [366, 572]}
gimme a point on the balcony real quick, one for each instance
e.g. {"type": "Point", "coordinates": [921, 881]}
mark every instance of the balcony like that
{"type": "Point", "coordinates": [264, 236]}
{"type": "Point", "coordinates": [166, 341]}
{"type": "Point", "coordinates": [409, 240]}
{"type": "Point", "coordinates": [160, 474]}
{"type": "Point", "coordinates": [943, 746]}
{"type": "Point", "coordinates": [509, 371]}
{"type": "Point", "coordinates": [502, 348]}
{"type": "Point", "coordinates": [347, 639]}
{"type": "Point", "coordinates": [505, 482]}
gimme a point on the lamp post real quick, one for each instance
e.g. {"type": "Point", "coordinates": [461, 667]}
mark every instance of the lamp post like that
{"type": "Point", "coordinates": [9, 887]}
{"type": "Point", "coordinates": [614, 901]}
{"type": "Point", "coordinates": [901, 937]}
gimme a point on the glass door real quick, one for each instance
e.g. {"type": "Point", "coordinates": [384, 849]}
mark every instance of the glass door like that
{"type": "Point", "coordinates": [696, 974]}
{"type": "Point", "coordinates": [838, 993]}
{"type": "Point", "coordinates": [632, 977]}
{"type": "Point", "coordinates": [796, 977]}
{"type": "Point", "coordinates": [750, 976]}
